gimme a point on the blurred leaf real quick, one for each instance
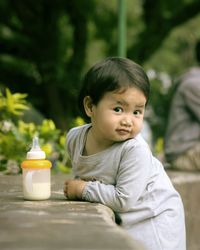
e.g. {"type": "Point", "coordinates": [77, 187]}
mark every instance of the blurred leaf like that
{"type": "Point", "coordinates": [16, 103]}
{"type": "Point", "coordinates": [63, 168]}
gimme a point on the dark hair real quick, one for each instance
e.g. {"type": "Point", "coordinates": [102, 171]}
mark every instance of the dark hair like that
{"type": "Point", "coordinates": [111, 74]}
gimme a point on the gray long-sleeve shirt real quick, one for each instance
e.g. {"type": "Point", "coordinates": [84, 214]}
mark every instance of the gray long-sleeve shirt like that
{"type": "Point", "coordinates": [133, 183]}
{"type": "Point", "coordinates": [183, 131]}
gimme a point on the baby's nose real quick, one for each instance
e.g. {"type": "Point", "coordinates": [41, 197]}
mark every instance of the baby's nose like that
{"type": "Point", "coordinates": [126, 122]}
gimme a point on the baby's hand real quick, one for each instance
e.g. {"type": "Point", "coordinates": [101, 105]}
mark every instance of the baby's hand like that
{"type": "Point", "coordinates": [73, 189]}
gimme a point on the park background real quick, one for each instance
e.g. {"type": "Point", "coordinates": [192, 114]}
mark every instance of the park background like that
{"type": "Point", "coordinates": [47, 46]}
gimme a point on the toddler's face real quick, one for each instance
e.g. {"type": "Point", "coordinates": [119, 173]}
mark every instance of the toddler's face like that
{"type": "Point", "coordinates": [119, 115]}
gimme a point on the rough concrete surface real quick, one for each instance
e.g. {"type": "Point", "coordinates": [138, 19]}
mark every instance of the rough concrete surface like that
{"type": "Point", "coordinates": [188, 185]}
{"type": "Point", "coordinates": [60, 224]}
{"type": "Point", "coordinates": [56, 223]}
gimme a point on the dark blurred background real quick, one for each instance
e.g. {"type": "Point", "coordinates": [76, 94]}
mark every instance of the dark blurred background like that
{"type": "Point", "coordinates": [47, 46]}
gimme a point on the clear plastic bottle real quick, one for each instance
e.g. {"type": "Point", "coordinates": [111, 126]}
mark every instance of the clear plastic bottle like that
{"type": "Point", "coordinates": [36, 174]}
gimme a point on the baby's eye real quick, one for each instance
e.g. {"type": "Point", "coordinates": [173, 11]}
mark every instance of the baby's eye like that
{"type": "Point", "coordinates": [137, 112]}
{"type": "Point", "coordinates": [118, 109]}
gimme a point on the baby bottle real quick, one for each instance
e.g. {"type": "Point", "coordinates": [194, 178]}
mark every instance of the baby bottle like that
{"type": "Point", "coordinates": [36, 174]}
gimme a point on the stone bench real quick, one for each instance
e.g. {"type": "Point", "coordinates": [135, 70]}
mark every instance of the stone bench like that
{"type": "Point", "coordinates": [60, 224]}
{"type": "Point", "coordinates": [188, 185]}
{"type": "Point", "coordinates": [56, 223]}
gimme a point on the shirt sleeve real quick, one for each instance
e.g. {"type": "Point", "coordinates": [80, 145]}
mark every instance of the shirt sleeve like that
{"type": "Point", "coordinates": [131, 181]}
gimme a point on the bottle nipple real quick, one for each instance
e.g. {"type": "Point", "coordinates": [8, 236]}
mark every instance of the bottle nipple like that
{"type": "Point", "coordinates": [36, 152]}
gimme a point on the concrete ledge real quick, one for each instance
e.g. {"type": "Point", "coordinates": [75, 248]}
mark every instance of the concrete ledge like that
{"type": "Point", "coordinates": [56, 223]}
{"type": "Point", "coordinates": [60, 224]}
{"type": "Point", "coordinates": [188, 185]}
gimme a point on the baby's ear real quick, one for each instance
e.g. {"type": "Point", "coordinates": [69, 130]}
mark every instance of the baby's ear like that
{"type": "Point", "coordinates": [88, 104]}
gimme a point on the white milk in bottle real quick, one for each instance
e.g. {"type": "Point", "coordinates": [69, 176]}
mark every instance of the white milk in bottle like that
{"type": "Point", "coordinates": [36, 174]}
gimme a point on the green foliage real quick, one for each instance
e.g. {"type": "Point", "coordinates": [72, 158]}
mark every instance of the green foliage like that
{"type": "Point", "coordinates": [77, 34]}
{"type": "Point", "coordinates": [16, 136]}
{"type": "Point", "coordinates": [161, 35]}
{"type": "Point", "coordinates": [159, 105]}
{"type": "Point", "coordinates": [12, 105]}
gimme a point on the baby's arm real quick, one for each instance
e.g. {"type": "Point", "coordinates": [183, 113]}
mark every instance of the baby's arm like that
{"type": "Point", "coordinates": [131, 182]}
{"type": "Point", "coordinates": [73, 189]}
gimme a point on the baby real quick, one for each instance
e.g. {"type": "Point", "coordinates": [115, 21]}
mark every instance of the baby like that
{"type": "Point", "coordinates": [113, 164]}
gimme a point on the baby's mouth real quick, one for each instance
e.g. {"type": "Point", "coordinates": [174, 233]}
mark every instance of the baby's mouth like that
{"type": "Point", "coordinates": [123, 131]}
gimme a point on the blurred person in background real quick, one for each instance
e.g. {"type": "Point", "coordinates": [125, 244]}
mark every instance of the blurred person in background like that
{"type": "Point", "coordinates": [182, 140]}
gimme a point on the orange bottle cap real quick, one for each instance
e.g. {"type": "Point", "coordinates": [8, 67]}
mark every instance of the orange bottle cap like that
{"type": "Point", "coordinates": [36, 164]}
